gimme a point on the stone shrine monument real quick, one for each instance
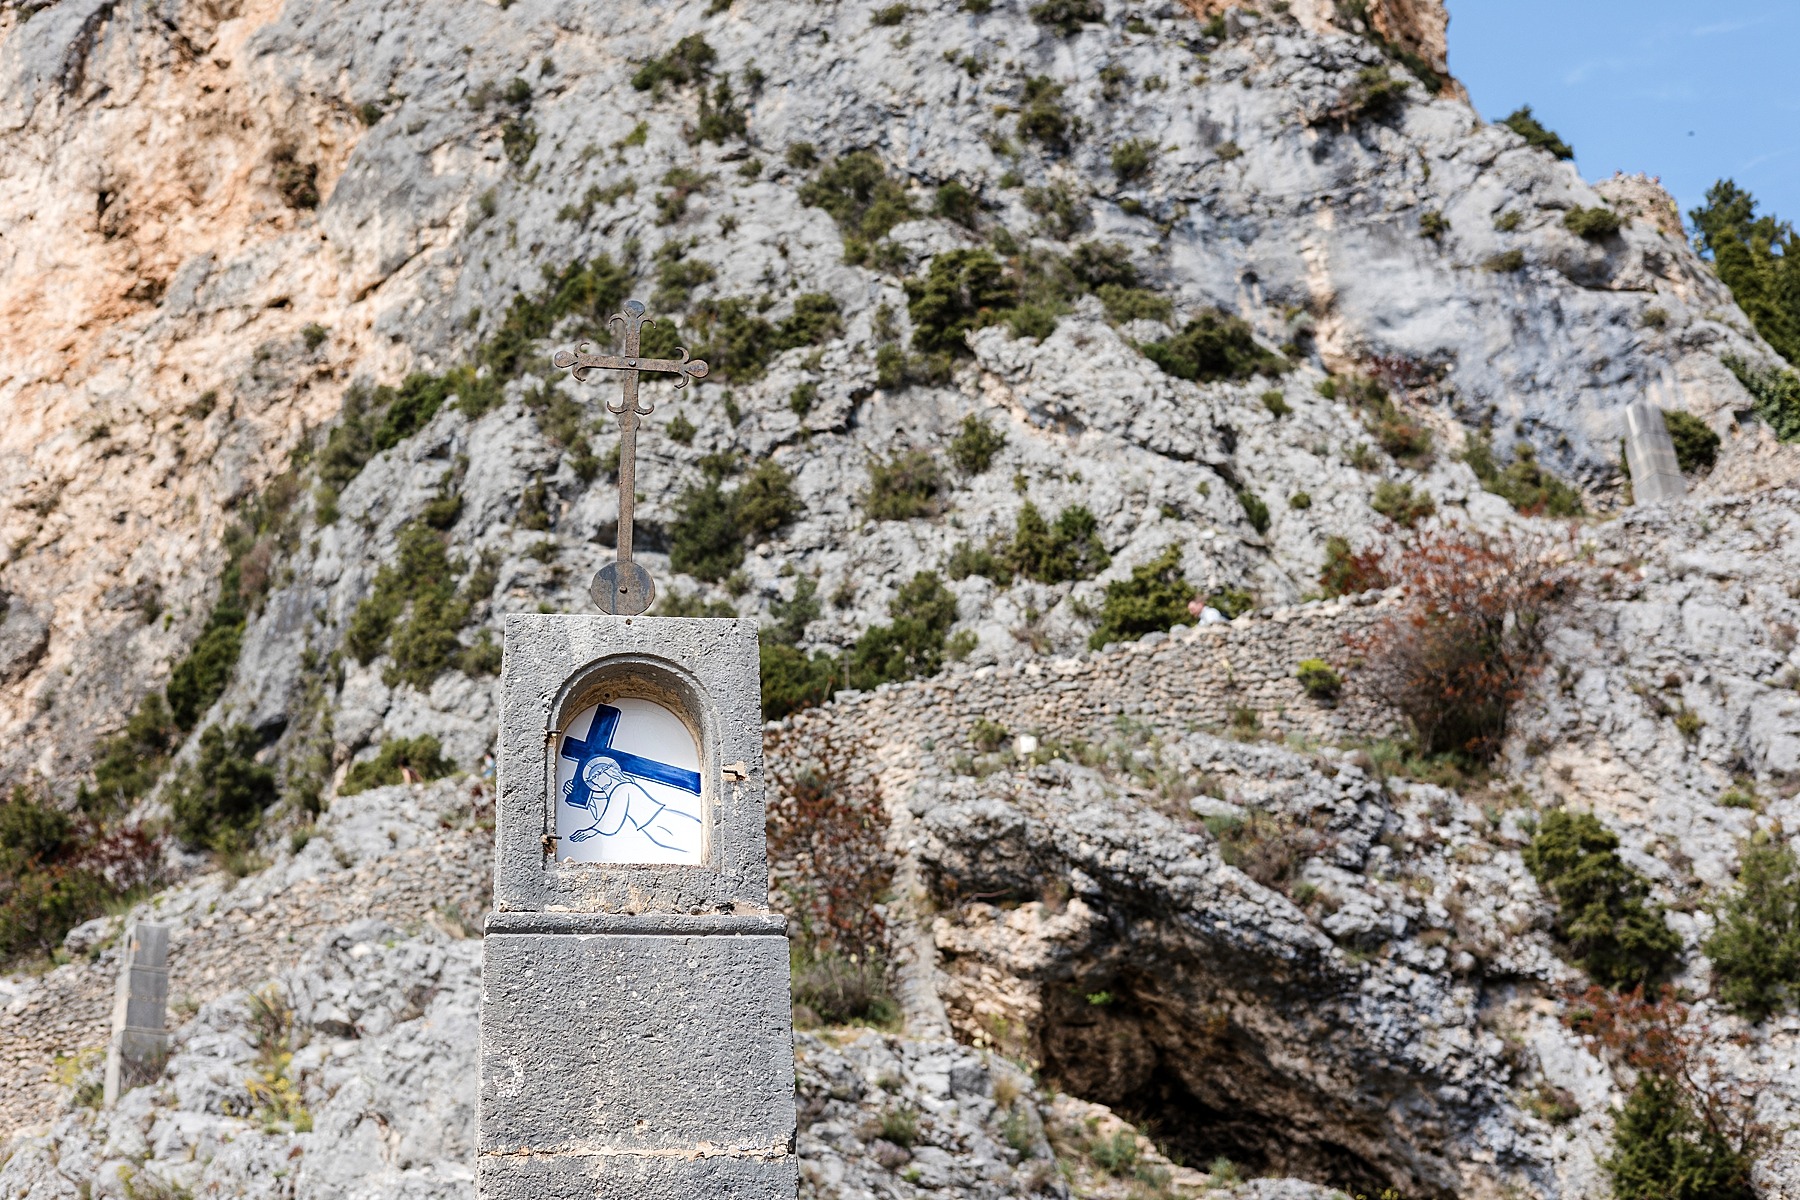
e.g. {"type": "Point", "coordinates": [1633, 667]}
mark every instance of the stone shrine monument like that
{"type": "Point", "coordinates": [1650, 452]}
{"type": "Point", "coordinates": [140, 1037]}
{"type": "Point", "coordinates": [636, 1021]}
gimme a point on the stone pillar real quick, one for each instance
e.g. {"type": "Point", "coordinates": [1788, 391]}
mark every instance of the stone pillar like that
{"type": "Point", "coordinates": [636, 1020]}
{"type": "Point", "coordinates": [140, 1040]}
{"type": "Point", "coordinates": [1650, 452]}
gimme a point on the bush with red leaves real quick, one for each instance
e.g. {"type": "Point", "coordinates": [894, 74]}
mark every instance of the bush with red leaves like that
{"type": "Point", "coordinates": [1688, 1131]}
{"type": "Point", "coordinates": [826, 832]}
{"type": "Point", "coordinates": [59, 869]}
{"type": "Point", "coordinates": [1468, 638]}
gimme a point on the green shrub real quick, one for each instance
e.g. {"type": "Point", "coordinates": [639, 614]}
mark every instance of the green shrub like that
{"type": "Point", "coordinates": [713, 527]}
{"type": "Point", "coordinates": [1214, 346]}
{"type": "Point", "coordinates": [1755, 948]}
{"type": "Point", "coordinates": [1403, 437]}
{"type": "Point", "coordinates": [987, 736]}
{"type": "Point", "coordinates": [518, 138]}
{"type": "Point", "coordinates": [765, 501]}
{"type": "Point", "coordinates": [906, 486]}
{"type": "Point", "coordinates": [957, 203]}
{"type": "Point", "coordinates": [690, 604]}
{"type": "Point", "coordinates": [721, 117]}
{"type": "Point", "coordinates": [48, 884]}
{"type": "Point", "coordinates": [893, 14]}
{"type": "Point", "coordinates": [1594, 224]}
{"type": "Point", "coordinates": [1536, 136]}
{"type": "Point", "coordinates": [1505, 263]}
{"type": "Point", "coordinates": [845, 989]}
{"type": "Point", "coordinates": [1064, 213]}
{"type": "Point", "coordinates": [1300, 500]}
{"type": "Point", "coordinates": [414, 611]}
{"type": "Point", "coordinates": [264, 529]}
{"type": "Point", "coordinates": [219, 799]}
{"type": "Point", "coordinates": [1508, 221]}
{"type": "Point", "coordinates": [739, 342]}
{"type": "Point", "coordinates": [683, 183]}
{"type": "Point", "coordinates": [1602, 909]}
{"type": "Point", "coordinates": [441, 511]}
{"type": "Point", "coordinates": [962, 291]}
{"type": "Point", "coordinates": [1319, 680]}
{"type": "Point", "coordinates": [975, 444]}
{"type": "Point", "coordinates": [1374, 95]}
{"type": "Point", "coordinates": [990, 561]}
{"type": "Point", "coordinates": [200, 677]}
{"type": "Point", "coordinates": [862, 198]}
{"type": "Point", "coordinates": [1032, 320]}
{"type": "Point", "coordinates": [1276, 403]}
{"type": "Point", "coordinates": [32, 830]}
{"type": "Point", "coordinates": [791, 680]}
{"type": "Point", "coordinates": [594, 197]}
{"type": "Point", "coordinates": [131, 761]}
{"type": "Point", "coordinates": [1775, 392]}
{"type": "Point", "coordinates": [1068, 16]}
{"type": "Point", "coordinates": [1400, 504]}
{"type": "Point", "coordinates": [1664, 1150]}
{"type": "Point", "coordinates": [1255, 510]}
{"type": "Point", "coordinates": [1133, 304]}
{"type": "Point", "coordinates": [1131, 159]}
{"type": "Point", "coordinates": [1758, 258]}
{"type": "Point", "coordinates": [1097, 264]}
{"type": "Point", "coordinates": [421, 758]}
{"type": "Point", "coordinates": [681, 430]}
{"type": "Point", "coordinates": [1433, 224]}
{"type": "Point", "coordinates": [1696, 445]}
{"type": "Point", "coordinates": [1069, 550]}
{"type": "Point", "coordinates": [1154, 598]}
{"type": "Point", "coordinates": [1526, 485]}
{"type": "Point", "coordinates": [690, 61]}
{"type": "Point", "coordinates": [1041, 115]}
{"type": "Point", "coordinates": [913, 645]}
{"type": "Point", "coordinates": [1232, 603]}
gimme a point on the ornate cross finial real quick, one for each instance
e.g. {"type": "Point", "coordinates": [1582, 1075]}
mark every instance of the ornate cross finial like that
{"type": "Point", "coordinates": [622, 587]}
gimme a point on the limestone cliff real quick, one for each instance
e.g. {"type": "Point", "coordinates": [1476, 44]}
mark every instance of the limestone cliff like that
{"type": "Point", "coordinates": [222, 214]}
{"type": "Point", "coordinates": [281, 283]}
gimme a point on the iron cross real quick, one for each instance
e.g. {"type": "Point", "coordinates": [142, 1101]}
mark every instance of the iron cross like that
{"type": "Point", "coordinates": [623, 588]}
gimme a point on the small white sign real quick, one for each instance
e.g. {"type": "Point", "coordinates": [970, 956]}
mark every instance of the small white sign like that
{"type": "Point", "coordinates": [628, 786]}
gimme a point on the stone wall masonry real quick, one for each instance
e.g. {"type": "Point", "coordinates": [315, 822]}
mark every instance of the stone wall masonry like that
{"type": "Point", "coordinates": [407, 855]}
{"type": "Point", "coordinates": [1192, 675]}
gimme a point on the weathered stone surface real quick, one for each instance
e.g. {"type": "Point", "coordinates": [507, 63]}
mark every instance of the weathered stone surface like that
{"type": "Point", "coordinates": [579, 1178]}
{"type": "Point", "coordinates": [636, 1046]}
{"type": "Point", "coordinates": [197, 248]}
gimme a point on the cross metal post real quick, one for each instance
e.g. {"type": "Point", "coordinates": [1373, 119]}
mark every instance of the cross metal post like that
{"type": "Point", "coordinates": [623, 588]}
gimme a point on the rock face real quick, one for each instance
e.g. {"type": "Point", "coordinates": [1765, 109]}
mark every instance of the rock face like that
{"type": "Point", "coordinates": [1362, 992]}
{"type": "Point", "coordinates": [350, 201]}
{"type": "Point", "coordinates": [1161, 875]}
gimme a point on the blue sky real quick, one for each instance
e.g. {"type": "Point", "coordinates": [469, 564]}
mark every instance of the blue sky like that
{"type": "Point", "coordinates": [1692, 92]}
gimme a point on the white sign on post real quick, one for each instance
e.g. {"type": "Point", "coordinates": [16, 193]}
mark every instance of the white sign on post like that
{"type": "Point", "coordinates": [628, 786]}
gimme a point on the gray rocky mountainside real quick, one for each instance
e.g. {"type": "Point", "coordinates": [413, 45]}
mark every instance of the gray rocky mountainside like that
{"type": "Point", "coordinates": [1034, 298]}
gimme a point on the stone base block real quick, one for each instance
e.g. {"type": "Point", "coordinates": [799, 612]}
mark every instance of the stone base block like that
{"type": "Point", "coordinates": [635, 1177]}
{"type": "Point", "coordinates": [642, 1065]}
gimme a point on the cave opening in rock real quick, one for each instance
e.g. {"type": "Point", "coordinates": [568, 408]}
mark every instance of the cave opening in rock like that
{"type": "Point", "coordinates": [1204, 1087]}
{"type": "Point", "coordinates": [1196, 1134]}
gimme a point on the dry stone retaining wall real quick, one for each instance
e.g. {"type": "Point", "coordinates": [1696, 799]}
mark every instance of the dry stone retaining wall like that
{"type": "Point", "coordinates": [1197, 675]}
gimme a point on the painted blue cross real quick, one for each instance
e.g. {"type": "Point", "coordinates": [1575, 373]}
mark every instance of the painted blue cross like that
{"type": "Point", "coordinates": [599, 743]}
